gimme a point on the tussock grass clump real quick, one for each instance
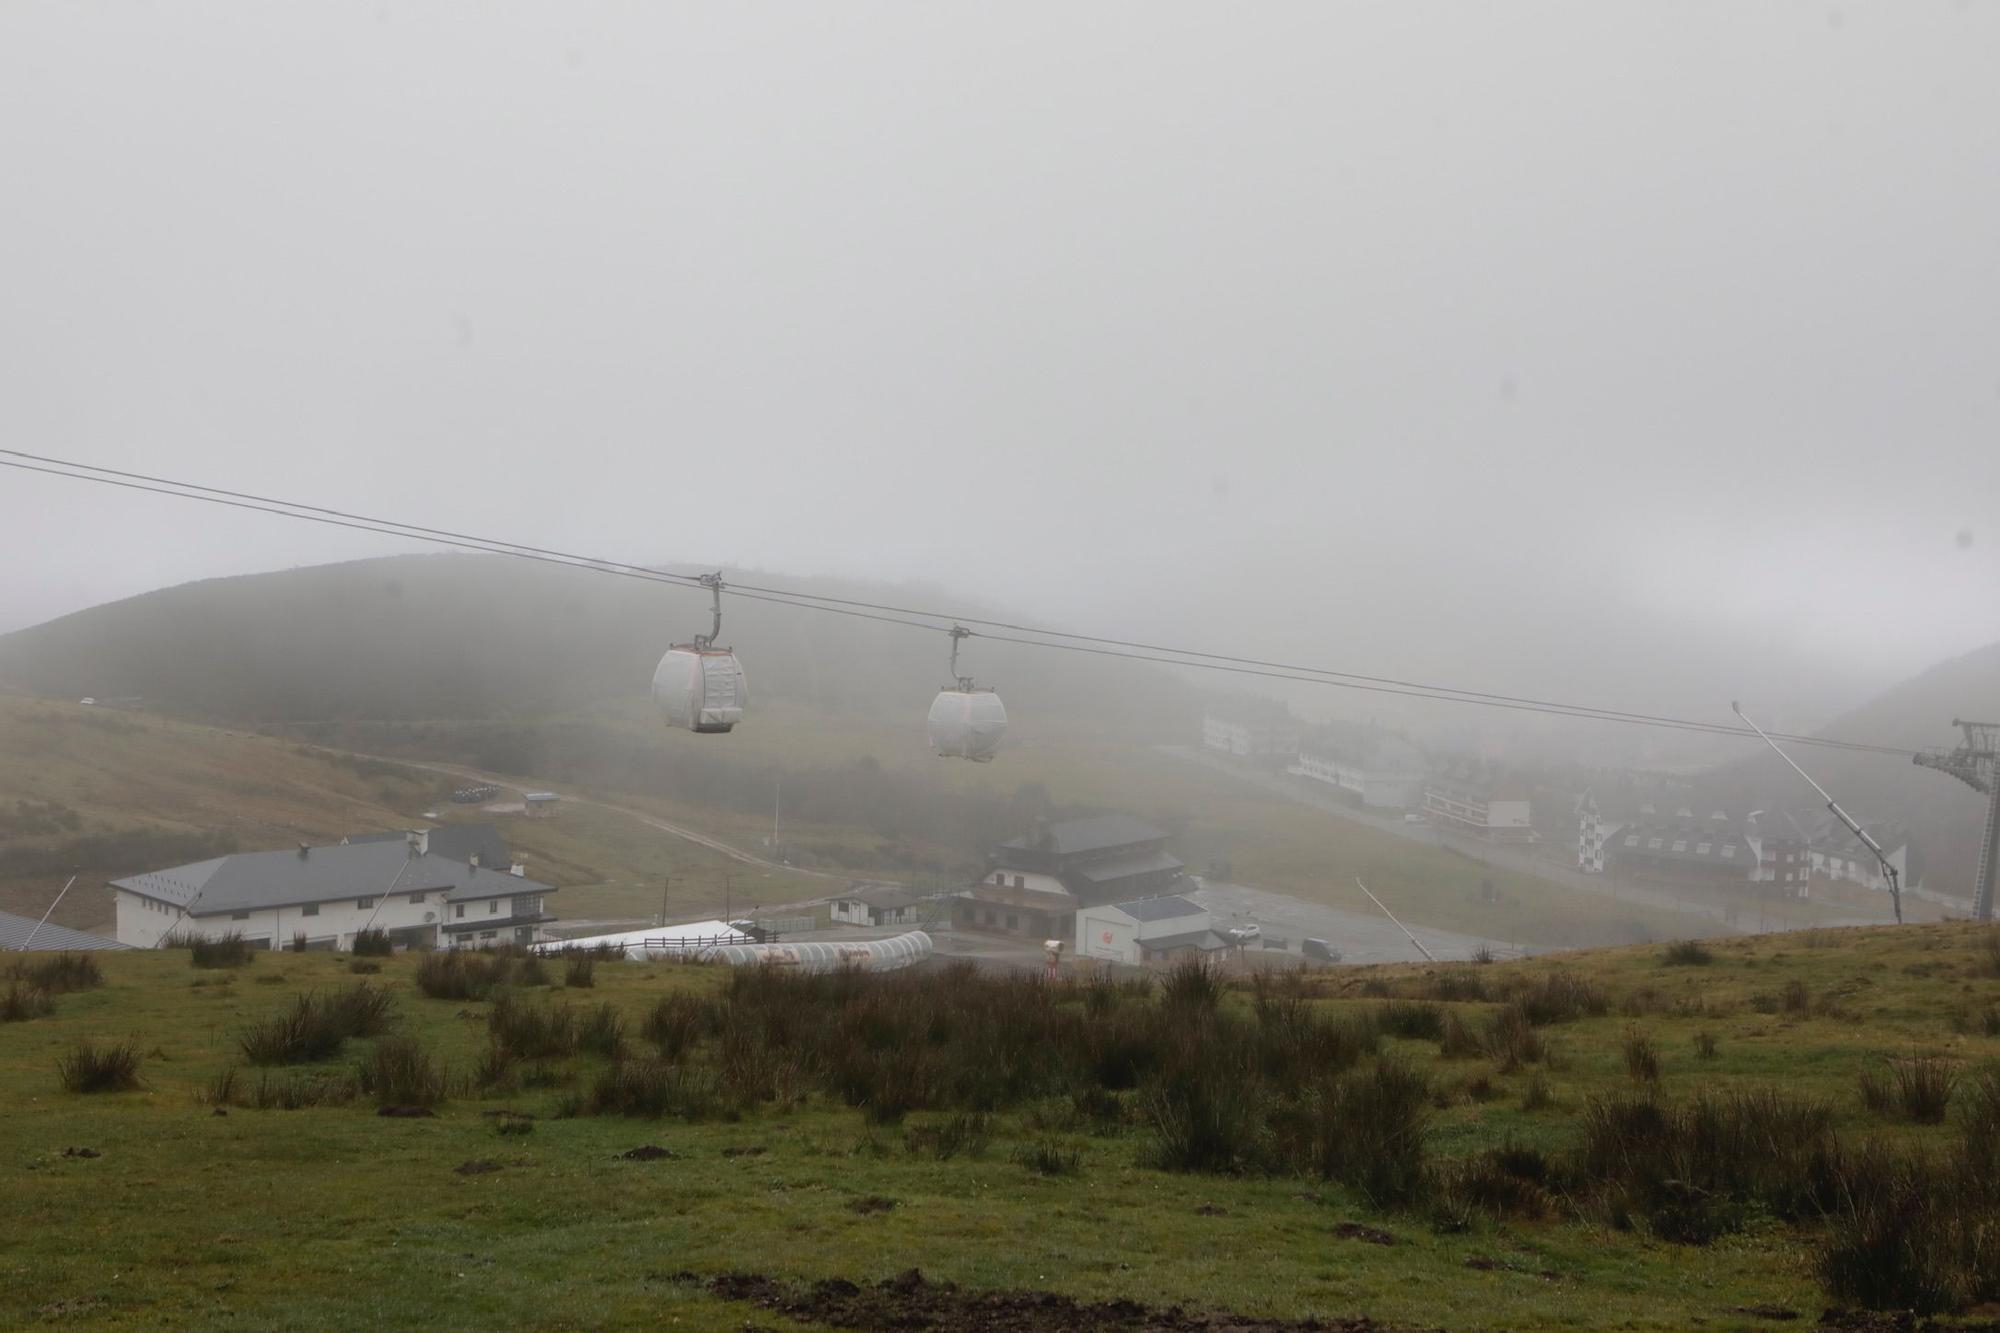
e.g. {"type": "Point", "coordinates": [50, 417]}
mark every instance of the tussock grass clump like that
{"type": "Point", "coordinates": [280, 1092]}
{"type": "Point", "coordinates": [401, 1072]}
{"type": "Point", "coordinates": [454, 974]}
{"type": "Point", "coordinates": [1691, 1168]}
{"type": "Point", "coordinates": [58, 974]}
{"type": "Point", "coordinates": [601, 1031]}
{"type": "Point", "coordinates": [1416, 1020]}
{"type": "Point", "coordinates": [1457, 1040]}
{"type": "Point", "coordinates": [1537, 1096]}
{"type": "Point", "coordinates": [965, 1134]}
{"type": "Point", "coordinates": [1642, 1059]}
{"type": "Point", "coordinates": [1192, 984]}
{"type": "Point", "coordinates": [1456, 984]}
{"type": "Point", "coordinates": [88, 1067]}
{"type": "Point", "coordinates": [1917, 1090]}
{"type": "Point", "coordinates": [528, 970]}
{"type": "Point", "coordinates": [1687, 953]}
{"type": "Point", "coordinates": [1050, 1157]}
{"type": "Point", "coordinates": [1704, 1045]}
{"type": "Point", "coordinates": [372, 943]}
{"type": "Point", "coordinates": [1367, 1129]}
{"type": "Point", "coordinates": [581, 974]}
{"type": "Point", "coordinates": [21, 1002]}
{"type": "Point", "coordinates": [1511, 1038]}
{"type": "Point", "coordinates": [364, 967]}
{"type": "Point", "coordinates": [1204, 1111]}
{"type": "Point", "coordinates": [1795, 998]}
{"type": "Point", "coordinates": [677, 1022]}
{"type": "Point", "coordinates": [1913, 1231]}
{"type": "Point", "coordinates": [1508, 1181]}
{"type": "Point", "coordinates": [652, 1089]}
{"type": "Point", "coordinates": [532, 1031]}
{"type": "Point", "coordinates": [316, 1027]}
{"type": "Point", "coordinates": [1986, 953]}
{"type": "Point", "coordinates": [1561, 997]}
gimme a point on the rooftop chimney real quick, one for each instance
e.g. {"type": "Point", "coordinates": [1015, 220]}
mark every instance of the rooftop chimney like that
{"type": "Point", "coordinates": [519, 870]}
{"type": "Point", "coordinates": [420, 841]}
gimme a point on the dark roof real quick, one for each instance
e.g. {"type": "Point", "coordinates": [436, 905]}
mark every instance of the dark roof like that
{"type": "Point", "coordinates": [1126, 867]}
{"type": "Point", "coordinates": [1159, 909]}
{"type": "Point", "coordinates": [251, 880]}
{"type": "Point", "coordinates": [454, 842]}
{"type": "Point", "coordinates": [1205, 940]}
{"type": "Point", "coordinates": [1072, 836]}
{"type": "Point", "coordinates": [15, 930]}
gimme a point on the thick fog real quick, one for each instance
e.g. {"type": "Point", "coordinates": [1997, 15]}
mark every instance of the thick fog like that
{"type": "Point", "coordinates": [1640, 354]}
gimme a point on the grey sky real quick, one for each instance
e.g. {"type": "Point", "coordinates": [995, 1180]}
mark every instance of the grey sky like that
{"type": "Point", "coordinates": [1636, 353]}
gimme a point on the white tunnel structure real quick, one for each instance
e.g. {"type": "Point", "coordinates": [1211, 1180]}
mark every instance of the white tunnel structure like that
{"type": "Point", "coordinates": [890, 955]}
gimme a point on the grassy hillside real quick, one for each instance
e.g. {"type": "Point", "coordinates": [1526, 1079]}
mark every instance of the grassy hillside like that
{"type": "Point", "coordinates": [102, 793]}
{"type": "Point", "coordinates": [153, 1206]}
{"type": "Point", "coordinates": [465, 636]}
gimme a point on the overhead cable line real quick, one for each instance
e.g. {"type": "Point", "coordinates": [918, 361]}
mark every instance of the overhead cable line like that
{"type": "Point", "coordinates": [915, 618]}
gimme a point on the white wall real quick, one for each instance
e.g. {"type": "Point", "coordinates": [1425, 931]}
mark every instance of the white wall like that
{"type": "Point", "coordinates": [1106, 932]}
{"type": "Point", "coordinates": [142, 921]}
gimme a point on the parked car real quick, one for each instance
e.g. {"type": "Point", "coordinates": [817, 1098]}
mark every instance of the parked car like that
{"type": "Point", "coordinates": [1246, 934]}
{"type": "Point", "coordinates": [1319, 950]}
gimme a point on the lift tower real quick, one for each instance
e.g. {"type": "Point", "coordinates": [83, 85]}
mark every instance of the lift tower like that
{"type": "Point", "coordinates": [1977, 764]}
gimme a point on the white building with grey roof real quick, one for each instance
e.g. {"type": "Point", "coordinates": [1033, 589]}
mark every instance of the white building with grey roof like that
{"type": "Point", "coordinates": [1149, 930]}
{"type": "Point", "coordinates": [329, 894]}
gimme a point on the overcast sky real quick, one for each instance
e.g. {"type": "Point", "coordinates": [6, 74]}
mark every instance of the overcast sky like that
{"type": "Point", "coordinates": [1642, 354]}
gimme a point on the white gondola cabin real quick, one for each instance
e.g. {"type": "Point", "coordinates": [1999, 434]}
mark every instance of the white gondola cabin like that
{"type": "Point", "coordinates": [966, 722]}
{"type": "Point", "coordinates": [698, 686]}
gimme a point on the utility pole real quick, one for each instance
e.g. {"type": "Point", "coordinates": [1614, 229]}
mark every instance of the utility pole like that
{"type": "Point", "coordinates": [666, 881]}
{"type": "Point", "coordinates": [1977, 764]}
{"type": "Point", "coordinates": [725, 897]}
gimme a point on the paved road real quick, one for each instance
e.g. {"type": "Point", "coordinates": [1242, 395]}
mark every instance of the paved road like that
{"type": "Point", "coordinates": [1360, 938]}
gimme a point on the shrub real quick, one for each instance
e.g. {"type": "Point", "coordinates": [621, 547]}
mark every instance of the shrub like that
{"type": "Point", "coordinates": [528, 971]}
{"type": "Point", "coordinates": [581, 974]}
{"type": "Point", "coordinates": [1917, 1090]}
{"type": "Point", "coordinates": [1642, 1061]}
{"type": "Point", "coordinates": [1795, 998]}
{"type": "Point", "coordinates": [1203, 1112]}
{"type": "Point", "coordinates": [1687, 953]}
{"type": "Point", "coordinates": [1456, 984]}
{"type": "Point", "coordinates": [1704, 1045]}
{"type": "Point", "coordinates": [89, 1067]}
{"type": "Point", "coordinates": [372, 943]}
{"type": "Point", "coordinates": [361, 1010]}
{"type": "Point", "coordinates": [21, 1001]}
{"type": "Point", "coordinates": [59, 974]}
{"type": "Point", "coordinates": [1911, 1232]}
{"type": "Point", "coordinates": [400, 1072]}
{"type": "Point", "coordinates": [964, 1134]}
{"type": "Point", "coordinates": [298, 944]}
{"type": "Point", "coordinates": [1508, 1181]}
{"type": "Point", "coordinates": [1537, 1096]}
{"type": "Point", "coordinates": [1050, 1157]}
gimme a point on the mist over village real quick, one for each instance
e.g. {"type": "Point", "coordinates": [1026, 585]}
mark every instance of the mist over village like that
{"type": "Point", "coordinates": [1107, 667]}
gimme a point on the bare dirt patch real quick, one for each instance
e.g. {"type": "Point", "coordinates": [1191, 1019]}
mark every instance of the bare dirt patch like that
{"type": "Point", "coordinates": [911, 1301]}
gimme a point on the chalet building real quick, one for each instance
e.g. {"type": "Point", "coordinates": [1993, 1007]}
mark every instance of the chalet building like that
{"type": "Point", "coordinates": [1836, 855]}
{"type": "Point", "coordinates": [1482, 803]}
{"type": "Point", "coordinates": [1039, 881]}
{"type": "Point", "coordinates": [884, 905]}
{"type": "Point", "coordinates": [32, 933]}
{"type": "Point", "coordinates": [1686, 848]}
{"type": "Point", "coordinates": [1246, 727]}
{"type": "Point", "coordinates": [423, 899]}
{"type": "Point", "coordinates": [1383, 773]}
{"type": "Point", "coordinates": [1151, 930]}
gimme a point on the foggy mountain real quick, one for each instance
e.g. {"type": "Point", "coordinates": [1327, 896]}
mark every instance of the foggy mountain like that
{"type": "Point", "coordinates": [465, 636]}
{"type": "Point", "coordinates": [1943, 815]}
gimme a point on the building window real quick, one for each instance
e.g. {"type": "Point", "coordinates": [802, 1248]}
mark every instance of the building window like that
{"type": "Point", "coordinates": [487, 936]}
{"type": "Point", "coordinates": [493, 907]}
{"type": "Point", "coordinates": [1020, 881]}
{"type": "Point", "coordinates": [310, 909]}
{"type": "Point", "coordinates": [1730, 850]}
{"type": "Point", "coordinates": [363, 904]}
{"type": "Point", "coordinates": [1703, 849]}
{"type": "Point", "coordinates": [1652, 844]}
{"type": "Point", "coordinates": [239, 916]}
{"type": "Point", "coordinates": [1632, 840]}
{"type": "Point", "coordinates": [1681, 845]}
{"type": "Point", "coordinates": [416, 897]}
{"type": "Point", "coordinates": [461, 911]}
